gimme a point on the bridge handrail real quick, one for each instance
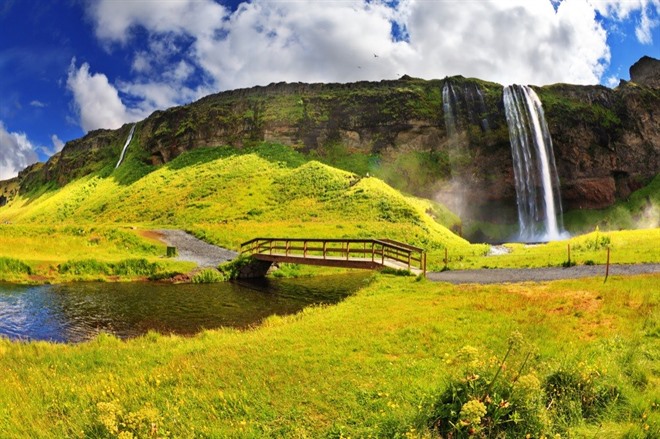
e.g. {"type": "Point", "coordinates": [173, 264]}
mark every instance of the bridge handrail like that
{"type": "Point", "coordinates": [386, 242]}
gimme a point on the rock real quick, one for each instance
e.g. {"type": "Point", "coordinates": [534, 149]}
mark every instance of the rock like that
{"type": "Point", "coordinates": [646, 72]}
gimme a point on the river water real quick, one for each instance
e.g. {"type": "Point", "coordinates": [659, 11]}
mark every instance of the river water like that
{"type": "Point", "coordinates": [80, 311]}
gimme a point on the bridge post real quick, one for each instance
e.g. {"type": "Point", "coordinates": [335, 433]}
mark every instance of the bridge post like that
{"type": "Point", "coordinates": [348, 251]}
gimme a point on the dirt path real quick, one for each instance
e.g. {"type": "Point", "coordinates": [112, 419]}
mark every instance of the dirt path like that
{"type": "Point", "coordinates": [504, 275]}
{"type": "Point", "coordinates": [195, 250]}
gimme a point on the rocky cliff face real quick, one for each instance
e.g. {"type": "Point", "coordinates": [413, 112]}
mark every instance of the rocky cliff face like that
{"type": "Point", "coordinates": [646, 72]}
{"type": "Point", "coordinates": [606, 141]}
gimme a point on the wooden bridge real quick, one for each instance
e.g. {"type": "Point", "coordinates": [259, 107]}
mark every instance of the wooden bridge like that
{"type": "Point", "coordinates": [371, 254]}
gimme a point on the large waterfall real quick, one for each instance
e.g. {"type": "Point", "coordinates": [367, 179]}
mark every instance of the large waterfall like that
{"type": "Point", "coordinates": [123, 151]}
{"type": "Point", "coordinates": [535, 172]}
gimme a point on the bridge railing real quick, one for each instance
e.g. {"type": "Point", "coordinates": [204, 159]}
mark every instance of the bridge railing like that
{"type": "Point", "coordinates": [378, 251]}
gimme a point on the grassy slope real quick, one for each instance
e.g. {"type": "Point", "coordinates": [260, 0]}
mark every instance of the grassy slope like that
{"type": "Point", "coordinates": [223, 197]}
{"type": "Point", "coordinates": [368, 367]}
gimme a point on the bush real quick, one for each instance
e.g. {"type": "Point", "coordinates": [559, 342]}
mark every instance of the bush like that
{"type": "Point", "coordinates": [491, 400]}
{"type": "Point", "coordinates": [208, 276]}
{"type": "Point", "coordinates": [84, 267]}
{"type": "Point", "coordinates": [396, 271]}
{"type": "Point", "coordinates": [231, 269]}
{"type": "Point", "coordinates": [499, 399]}
{"type": "Point", "coordinates": [14, 266]}
{"type": "Point", "coordinates": [573, 396]}
{"type": "Point", "coordinates": [128, 267]}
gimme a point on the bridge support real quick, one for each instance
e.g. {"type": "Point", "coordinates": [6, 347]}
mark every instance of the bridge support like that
{"type": "Point", "coordinates": [253, 269]}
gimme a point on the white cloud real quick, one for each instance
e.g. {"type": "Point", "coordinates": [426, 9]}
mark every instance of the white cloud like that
{"type": "Point", "coordinates": [96, 100]}
{"type": "Point", "coordinates": [37, 104]}
{"type": "Point", "coordinates": [525, 41]}
{"type": "Point", "coordinates": [16, 152]}
{"type": "Point", "coordinates": [612, 81]}
{"type": "Point", "coordinates": [644, 31]}
{"type": "Point", "coordinates": [622, 10]}
{"type": "Point", "coordinates": [114, 20]}
{"type": "Point", "coordinates": [57, 143]}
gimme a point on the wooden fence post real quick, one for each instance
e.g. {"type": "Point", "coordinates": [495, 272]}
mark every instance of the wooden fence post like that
{"type": "Point", "coordinates": [607, 265]}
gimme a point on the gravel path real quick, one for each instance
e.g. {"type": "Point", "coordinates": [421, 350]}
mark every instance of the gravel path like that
{"type": "Point", "coordinates": [504, 275]}
{"type": "Point", "coordinates": [195, 250]}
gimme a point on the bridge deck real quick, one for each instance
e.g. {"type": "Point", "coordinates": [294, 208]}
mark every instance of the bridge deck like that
{"type": "Point", "coordinates": [371, 254]}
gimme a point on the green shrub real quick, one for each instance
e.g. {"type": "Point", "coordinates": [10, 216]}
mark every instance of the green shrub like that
{"type": "Point", "coordinates": [134, 267]}
{"type": "Point", "coordinates": [84, 267]}
{"type": "Point", "coordinates": [208, 276]}
{"type": "Point", "coordinates": [491, 400]}
{"type": "Point", "coordinates": [14, 266]}
{"type": "Point", "coordinates": [396, 271]}
{"type": "Point", "coordinates": [128, 267]}
{"type": "Point", "coordinates": [503, 399]}
{"type": "Point", "coordinates": [231, 269]}
{"type": "Point", "coordinates": [574, 395]}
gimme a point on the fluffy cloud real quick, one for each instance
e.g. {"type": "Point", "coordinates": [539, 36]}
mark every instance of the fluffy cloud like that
{"type": "Point", "coordinates": [96, 100]}
{"type": "Point", "coordinates": [57, 143]}
{"type": "Point", "coordinates": [622, 10]}
{"type": "Point", "coordinates": [16, 152]}
{"type": "Point", "coordinates": [527, 41]}
{"type": "Point", "coordinates": [513, 41]}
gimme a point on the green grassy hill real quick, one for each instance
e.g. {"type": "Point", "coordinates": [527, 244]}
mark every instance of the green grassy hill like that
{"type": "Point", "coordinates": [224, 196]}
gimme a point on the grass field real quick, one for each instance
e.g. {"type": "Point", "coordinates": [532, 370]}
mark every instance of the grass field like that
{"type": "Point", "coordinates": [376, 365]}
{"type": "Point", "coordinates": [220, 195]}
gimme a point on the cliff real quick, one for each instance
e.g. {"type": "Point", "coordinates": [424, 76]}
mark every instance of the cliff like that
{"type": "Point", "coordinates": [606, 141]}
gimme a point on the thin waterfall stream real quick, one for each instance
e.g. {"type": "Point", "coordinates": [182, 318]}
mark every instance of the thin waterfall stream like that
{"type": "Point", "coordinates": [449, 110]}
{"type": "Point", "coordinates": [128, 141]}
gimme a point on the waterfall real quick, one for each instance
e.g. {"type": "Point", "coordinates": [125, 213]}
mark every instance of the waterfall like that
{"type": "Point", "coordinates": [482, 109]}
{"type": "Point", "coordinates": [128, 141]}
{"type": "Point", "coordinates": [535, 172]}
{"type": "Point", "coordinates": [449, 110]}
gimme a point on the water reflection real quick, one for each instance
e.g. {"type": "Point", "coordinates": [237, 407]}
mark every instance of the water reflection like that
{"type": "Point", "coordinates": [77, 312]}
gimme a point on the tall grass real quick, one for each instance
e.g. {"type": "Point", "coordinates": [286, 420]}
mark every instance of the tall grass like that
{"type": "Point", "coordinates": [13, 266]}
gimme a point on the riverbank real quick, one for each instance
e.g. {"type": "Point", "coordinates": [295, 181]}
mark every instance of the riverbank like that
{"type": "Point", "coordinates": [373, 365]}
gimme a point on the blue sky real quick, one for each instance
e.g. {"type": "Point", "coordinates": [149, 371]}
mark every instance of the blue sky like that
{"type": "Point", "coordinates": [71, 66]}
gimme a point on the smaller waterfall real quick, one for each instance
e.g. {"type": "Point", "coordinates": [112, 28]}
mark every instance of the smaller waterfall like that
{"type": "Point", "coordinates": [482, 109]}
{"type": "Point", "coordinates": [123, 151]}
{"type": "Point", "coordinates": [535, 172]}
{"type": "Point", "coordinates": [449, 110]}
